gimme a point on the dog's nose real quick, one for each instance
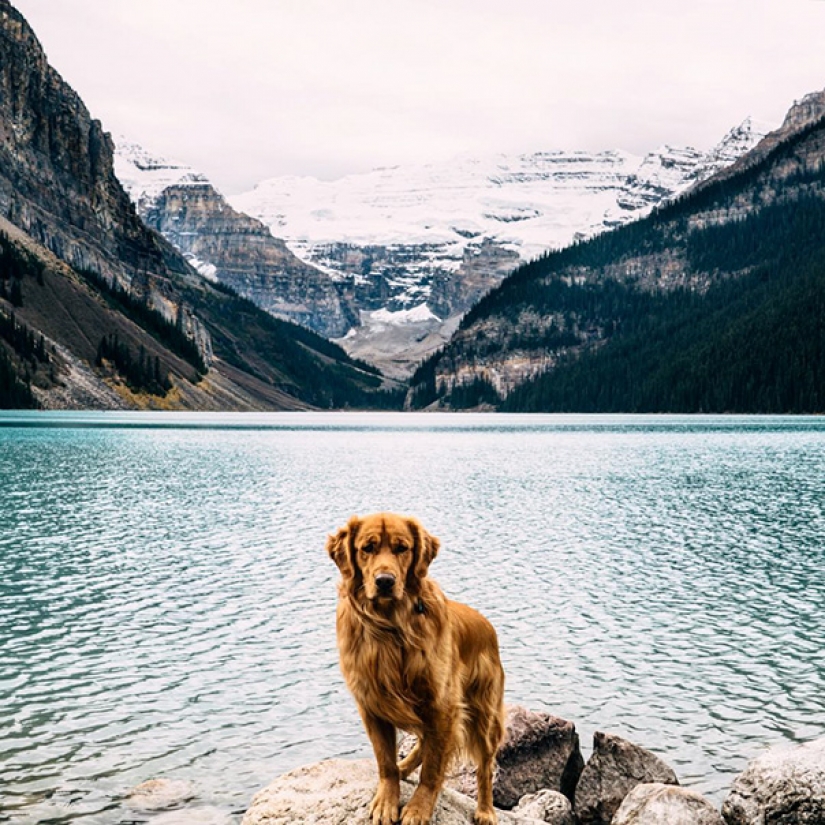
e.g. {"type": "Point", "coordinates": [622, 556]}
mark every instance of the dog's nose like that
{"type": "Point", "coordinates": [384, 582]}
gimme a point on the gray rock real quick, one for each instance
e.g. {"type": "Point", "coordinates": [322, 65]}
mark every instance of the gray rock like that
{"type": "Point", "coordinates": [201, 815]}
{"type": "Point", "coordinates": [546, 806]}
{"type": "Point", "coordinates": [539, 752]}
{"type": "Point", "coordinates": [613, 770]}
{"type": "Point", "coordinates": [159, 794]}
{"type": "Point", "coordinates": [655, 803]}
{"type": "Point", "coordinates": [784, 786]}
{"type": "Point", "coordinates": [339, 791]}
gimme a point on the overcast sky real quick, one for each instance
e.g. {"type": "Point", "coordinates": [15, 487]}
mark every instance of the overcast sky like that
{"type": "Point", "coordinates": [250, 89]}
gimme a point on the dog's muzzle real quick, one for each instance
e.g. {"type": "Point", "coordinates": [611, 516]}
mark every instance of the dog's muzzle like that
{"type": "Point", "coordinates": [384, 583]}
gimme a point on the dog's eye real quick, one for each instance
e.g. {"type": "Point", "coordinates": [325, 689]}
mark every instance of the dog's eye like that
{"type": "Point", "coordinates": [369, 547]}
{"type": "Point", "coordinates": [400, 548]}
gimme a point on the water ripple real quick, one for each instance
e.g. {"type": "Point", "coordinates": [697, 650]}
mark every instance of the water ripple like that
{"type": "Point", "coordinates": [167, 608]}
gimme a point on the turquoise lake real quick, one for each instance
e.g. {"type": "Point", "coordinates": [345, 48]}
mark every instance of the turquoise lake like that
{"type": "Point", "coordinates": [167, 607]}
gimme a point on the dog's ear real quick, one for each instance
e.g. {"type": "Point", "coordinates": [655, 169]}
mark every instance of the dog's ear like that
{"type": "Point", "coordinates": [426, 548]}
{"type": "Point", "coordinates": [340, 546]}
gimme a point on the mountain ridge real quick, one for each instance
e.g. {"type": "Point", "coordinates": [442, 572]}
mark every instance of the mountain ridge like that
{"type": "Point", "coordinates": [560, 319]}
{"type": "Point", "coordinates": [114, 297]}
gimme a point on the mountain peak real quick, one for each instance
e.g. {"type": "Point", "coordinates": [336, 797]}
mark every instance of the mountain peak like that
{"type": "Point", "coordinates": [807, 110]}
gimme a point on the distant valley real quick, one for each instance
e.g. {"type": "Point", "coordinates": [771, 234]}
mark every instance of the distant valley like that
{"type": "Point", "coordinates": [400, 254]}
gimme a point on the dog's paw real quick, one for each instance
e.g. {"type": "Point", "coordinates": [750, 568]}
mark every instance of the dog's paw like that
{"type": "Point", "coordinates": [485, 818]}
{"type": "Point", "coordinates": [385, 806]}
{"type": "Point", "coordinates": [419, 810]}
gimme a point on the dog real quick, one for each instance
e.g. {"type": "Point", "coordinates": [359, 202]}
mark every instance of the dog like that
{"type": "Point", "coordinates": [415, 661]}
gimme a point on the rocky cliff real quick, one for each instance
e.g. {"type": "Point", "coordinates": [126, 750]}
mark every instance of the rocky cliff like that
{"type": "Point", "coordinates": [79, 266]}
{"type": "Point", "coordinates": [228, 246]}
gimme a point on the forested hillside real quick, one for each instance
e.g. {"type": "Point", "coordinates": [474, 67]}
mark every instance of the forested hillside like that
{"type": "Point", "coordinates": [715, 303]}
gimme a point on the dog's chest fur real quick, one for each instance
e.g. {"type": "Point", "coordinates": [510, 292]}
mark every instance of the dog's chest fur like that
{"type": "Point", "coordinates": [389, 676]}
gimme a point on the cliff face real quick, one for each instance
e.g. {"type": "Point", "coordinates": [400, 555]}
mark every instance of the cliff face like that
{"type": "Point", "coordinates": [80, 265]}
{"type": "Point", "coordinates": [56, 179]}
{"type": "Point", "coordinates": [228, 246]}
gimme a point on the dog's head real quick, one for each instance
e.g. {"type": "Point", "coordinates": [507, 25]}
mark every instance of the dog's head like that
{"type": "Point", "coordinates": [385, 554]}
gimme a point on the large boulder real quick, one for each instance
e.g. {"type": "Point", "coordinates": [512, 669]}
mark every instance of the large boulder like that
{"type": "Point", "coordinates": [540, 751]}
{"type": "Point", "coordinates": [613, 770]}
{"type": "Point", "coordinates": [784, 786]}
{"type": "Point", "coordinates": [339, 791]}
{"type": "Point", "coordinates": [655, 803]}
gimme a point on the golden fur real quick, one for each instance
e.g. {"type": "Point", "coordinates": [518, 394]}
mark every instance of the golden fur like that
{"type": "Point", "coordinates": [417, 661]}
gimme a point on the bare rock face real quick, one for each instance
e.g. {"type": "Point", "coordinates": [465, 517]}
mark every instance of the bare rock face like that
{"type": "Point", "coordinates": [339, 791]}
{"type": "Point", "coordinates": [614, 769]}
{"type": "Point", "coordinates": [539, 752]}
{"type": "Point", "coordinates": [241, 252]}
{"type": "Point", "coordinates": [785, 786]}
{"type": "Point", "coordinates": [546, 806]}
{"type": "Point", "coordinates": [654, 803]}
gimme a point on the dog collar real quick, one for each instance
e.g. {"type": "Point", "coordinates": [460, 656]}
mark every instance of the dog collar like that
{"type": "Point", "coordinates": [419, 607]}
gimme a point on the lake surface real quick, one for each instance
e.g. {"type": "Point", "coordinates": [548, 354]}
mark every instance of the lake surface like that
{"type": "Point", "coordinates": [167, 607]}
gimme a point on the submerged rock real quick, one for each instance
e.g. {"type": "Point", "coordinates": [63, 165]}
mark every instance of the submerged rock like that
{"type": "Point", "coordinates": [656, 803]}
{"type": "Point", "coordinates": [614, 769]}
{"type": "Point", "coordinates": [785, 786]}
{"type": "Point", "coordinates": [159, 794]}
{"type": "Point", "coordinates": [201, 815]}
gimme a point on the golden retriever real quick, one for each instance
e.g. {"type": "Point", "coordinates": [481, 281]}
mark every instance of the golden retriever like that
{"type": "Point", "coordinates": [417, 661]}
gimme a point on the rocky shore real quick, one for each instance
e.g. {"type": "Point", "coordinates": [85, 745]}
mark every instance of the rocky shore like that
{"type": "Point", "coordinates": [542, 777]}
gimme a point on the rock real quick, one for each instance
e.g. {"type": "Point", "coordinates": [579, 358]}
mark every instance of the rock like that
{"type": "Point", "coordinates": [546, 806]}
{"type": "Point", "coordinates": [785, 786]}
{"type": "Point", "coordinates": [539, 752]}
{"type": "Point", "coordinates": [339, 791]}
{"type": "Point", "coordinates": [159, 794]}
{"type": "Point", "coordinates": [201, 815]}
{"type": "Point", "coordinates": [614, 769]}
{"type": "Point", "coordinates": [654, 803]}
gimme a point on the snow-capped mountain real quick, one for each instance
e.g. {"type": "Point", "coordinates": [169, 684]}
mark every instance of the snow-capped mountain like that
{"type": "Point", "coordinates": [228, 246]}
{"type": "Point", "coordinates": [443, 234]}
{"type": "Point", "coordinates": [144, 175]}
{"type": "Point", "coordinates": [524, 203]}
{"type": "Point", "coordinates": [403, 252]}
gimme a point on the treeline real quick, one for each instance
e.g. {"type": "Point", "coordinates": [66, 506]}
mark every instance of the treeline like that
{"type": "Point", "coordinates": [754, 343]}
{"type": "Point", "coordinates": [142, 373]}
{"type": "Point", "coordinates": [31, 352]}
{"type": "Point", "coordinates": [14, 393]}
{"type": "Point", "coordinates": [171, 335]}
{"type": "Point", "coordinates": [16, 264]}
{"type": "Point", "coordinates": [335, 383]}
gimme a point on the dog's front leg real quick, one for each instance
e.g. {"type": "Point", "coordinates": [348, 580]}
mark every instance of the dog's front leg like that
{"type": "Point", "coordinates": [385, 806]}
{"type": "Point", "coordinates": [436, 745]}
